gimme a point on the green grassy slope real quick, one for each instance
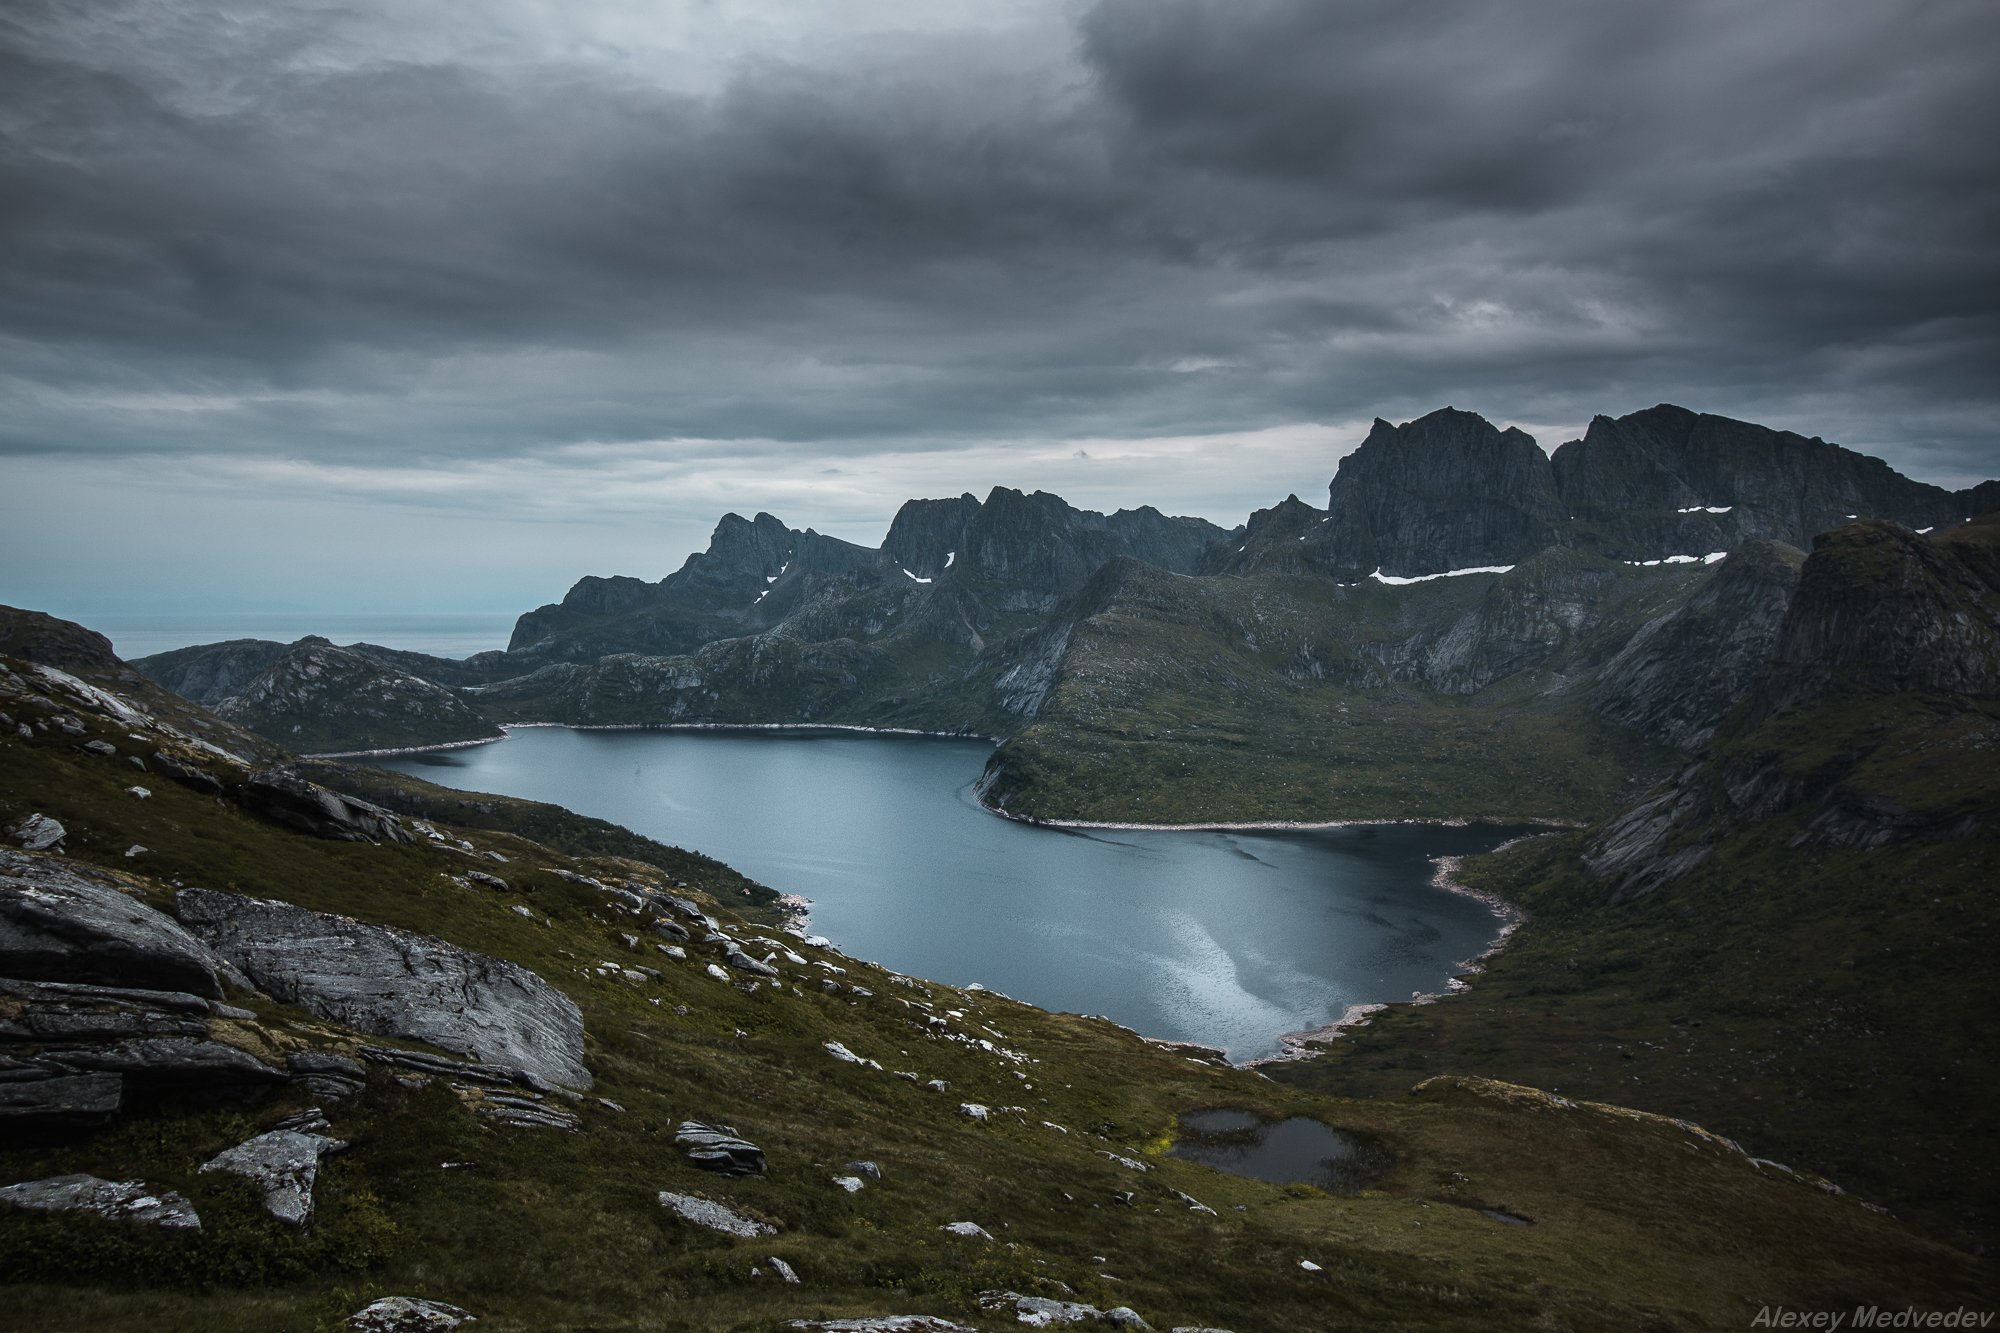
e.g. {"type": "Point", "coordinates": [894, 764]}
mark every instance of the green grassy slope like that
{"type": "Point", "coordinates": [1829, 1006]}
{"type": "Point", "coordinates": [1245, 699]}
{"type": "Point", "coordinates": [1638, 1222]}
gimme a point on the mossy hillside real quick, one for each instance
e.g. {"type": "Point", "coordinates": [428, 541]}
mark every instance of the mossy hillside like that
{"type": "Point", "coordinates": [551, 826]}
{"type": "Point", "coordinates": [1827, 1006]}
{"type": "Point", "coordinates": [551, 1231]}
{"type": "Point", "coordinates": [1263, 699]}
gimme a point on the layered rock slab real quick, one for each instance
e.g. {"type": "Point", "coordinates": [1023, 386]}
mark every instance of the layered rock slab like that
{"type": "Point", "coordinates": [395, 983]}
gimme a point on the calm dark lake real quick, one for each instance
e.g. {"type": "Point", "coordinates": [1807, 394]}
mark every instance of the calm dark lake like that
{"type": "Point", "coordinates": [1224, 938]}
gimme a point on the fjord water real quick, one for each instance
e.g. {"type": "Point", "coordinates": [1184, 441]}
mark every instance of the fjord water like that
{"type": "Point", "coordinates": [1223, 938]}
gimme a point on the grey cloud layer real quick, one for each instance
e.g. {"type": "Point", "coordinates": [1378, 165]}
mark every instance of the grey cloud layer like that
{"type": "Point", "coordinates": [229, 229]}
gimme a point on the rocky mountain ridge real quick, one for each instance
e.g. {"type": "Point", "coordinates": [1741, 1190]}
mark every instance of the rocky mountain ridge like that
{"type": "Point", "coordinates": [1455, 561]}
{"type": "Point", "coordinates": [358, 1071]}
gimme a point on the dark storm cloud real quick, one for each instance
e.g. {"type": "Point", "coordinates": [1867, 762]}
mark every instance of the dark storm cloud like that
{"type": "Point", "coordinates": [239, 229]}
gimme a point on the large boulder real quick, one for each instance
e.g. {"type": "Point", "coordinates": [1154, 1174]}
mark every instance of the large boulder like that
{"type": "Point", "coordinates": [61, 922]}
{"type": "Point", "coordinates": [395, 983]}
{"type": "Point", "coordinates": [120, 1200]}
{"type": "Point", "coordinates": [284, 1164]}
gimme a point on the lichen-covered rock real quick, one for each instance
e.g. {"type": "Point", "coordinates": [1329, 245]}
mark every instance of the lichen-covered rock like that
{"type": "Point", "coordinates": [37, 832]}
{"type": "Point", "coordinates": [120, 1200]}
{"type": "Point", "coordinates": [392, 982]}
{"type": "Point", "coordinates": [407, 1314]}
{"type": "Point", "coordinates": [721, 1149]}
{"type": "Point", "coordinates": [283, 1163]}
{"type": "Point", "coordinates": [715, 1216]}
{"type": "Point", "coordinates": [1041, 1312]}
{"type": "Point", "coordinates": [62, 922]}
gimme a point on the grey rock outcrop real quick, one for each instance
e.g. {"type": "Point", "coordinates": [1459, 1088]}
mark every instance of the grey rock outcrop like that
{"type": "Point", "coordinates": [1042, 1312]}
{"type": "Point", "coordinates": [326, 1074]}
{"type": "Point", "coordinates": [883, 1323]}
{"type": "Point", "coordinates": [392, 982]}
{"type": "Point", "coordinates": [716, 1217]}
{"type": "Point", "coordinates": [286, 798]}
{"type": "Point", "coordinates": [37, 832]}
{"type": "Point", "coordinates": [1446, 491]}
{"type": "Point", "coordinates": [189, 776]}
{"type": "Point", "coordinates": [284, 1164]}
{"type": "Point", "coordinates": [119, 1200]}
{"type": "Point", "coordinates": [407, 1314]}
{"type": "Point", "coordinates": [62, 922]}
{"type": "Point", "coordinates": [719, 1148]}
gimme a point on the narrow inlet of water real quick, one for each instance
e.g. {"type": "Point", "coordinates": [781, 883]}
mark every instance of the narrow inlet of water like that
{"type": "Point", "coordinates": [1228, 939]}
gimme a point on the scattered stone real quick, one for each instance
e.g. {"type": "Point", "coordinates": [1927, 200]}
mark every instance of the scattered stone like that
{"type": "Point", "coordinates": [134, 850]}
{"type": "Point", "coordinates": [61, 922]}
{"type": "Point", "coordinates": [104, 748]}
{"type": "Point", "coordinates": [720, 1149]}
{"type": "Point", "coordinates": [717, 973]}
{"type": "Point", "coordinates": [1194, 1205]}
{"type": "Point", "coordinates": [936, 1084]}
{"type": "Point", "coordinates": [1309, 1266]}
{"type": "Point", "coordinates": [868, 1169]}
{"type": "Point", "coordinates": [970, 1230]}
{"type": "Point", "coordinates": [396, 983]}
{"type": "Point", "coordinates": [490, 881]}
{"type": "Point", "coordinates": [610, 1105]}
{"type": "Point", "coordinates": [673, 930]}
{"type": "Point", "coordinates": [673, 951]}
{"type": "Point", "coordinates": [136, 761]}
{"type": "Point", "coordinates": [283, 1163]}
{"type": "Point", "coordinates": [784, 1270]}
{"type": "Point", "coordinates": [971, 1110]}
{"type": "Point", "coordinates": [37, 833]}
{"type": "Point", "coordinates": [407, 1314]}
{"type": "Point", "coordinates": [67, 725]}
{"type": "Point", "coordinates": [122, 1200]}
{"type": "Point", "coordinates": [1128, 1162]}
{"type": "Point", "coordinates": [852, 1184]}
{"type": "Point", "coordinates": [519, 910]}
{"type": "Point", "coordinates": [883, 1323]}
{"type": "Point", "coordinates": [714, 1216]}
{"type": "Point", "coordinates": [1041, 1312]}
{"type": "Point", "coordinates": [140, 792]}
{"type": "Point", "coordinates": [841, 1053]}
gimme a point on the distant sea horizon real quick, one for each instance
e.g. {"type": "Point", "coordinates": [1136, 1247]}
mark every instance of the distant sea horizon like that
{"type": "Point", "coordinates": [453, 634]}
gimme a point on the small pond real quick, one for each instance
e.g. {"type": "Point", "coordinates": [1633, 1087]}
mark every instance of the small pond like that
{"type": "Point", "coordinates": [1293, 1151]}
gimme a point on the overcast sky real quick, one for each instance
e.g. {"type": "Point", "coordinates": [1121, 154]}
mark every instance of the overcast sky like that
{"type": "Point", "coordinates": [408, 305]}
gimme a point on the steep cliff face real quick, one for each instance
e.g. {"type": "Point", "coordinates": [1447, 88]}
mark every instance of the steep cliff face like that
{"type": "Point", "coordinates": [1868, 723]}
{"type": "Point", "coordinates": [1670, 481]}
{"type": "Point", "coordinates": [1446, 491]}
{"type": "Point", "coordinates": [925, 535]}
{"type": "Point", "coordinates": [1034, 550]}
{"type": "Point", "coordinates": [1682, 672]}
{"type": "Point", "coordinates": [316, 697]}
{"type": "Point", "coordinates": [1882, 608]}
